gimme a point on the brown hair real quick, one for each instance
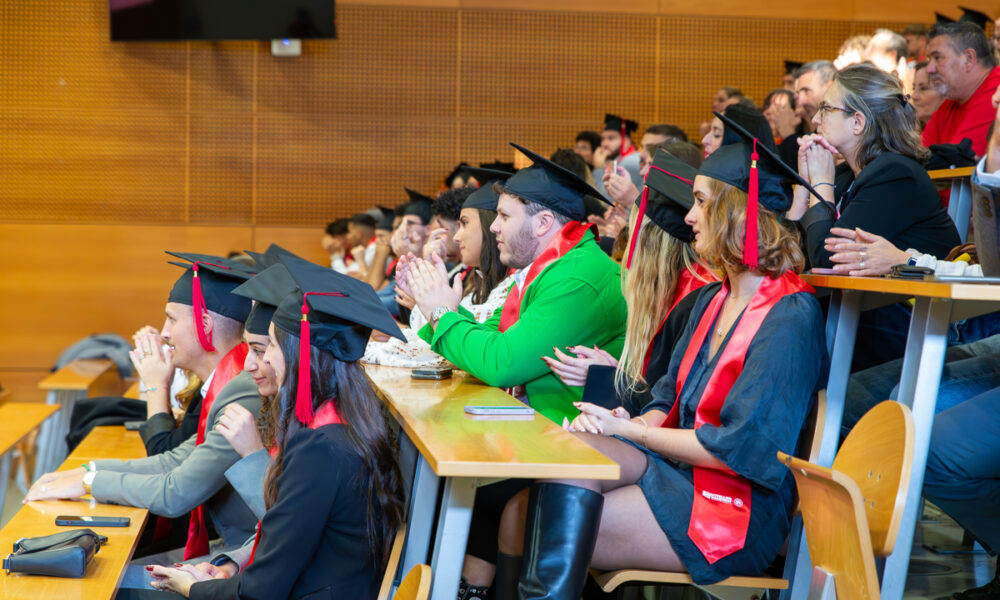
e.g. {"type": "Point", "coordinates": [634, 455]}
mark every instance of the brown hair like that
{"type": "Point", "coordinates": [890, 119]}
{"type": "Point", "coordinates": [367, 426]}
{"type": "Point", "coordinates": [491, 271]}
{"type": "Point", "coordinates": [779, 247]}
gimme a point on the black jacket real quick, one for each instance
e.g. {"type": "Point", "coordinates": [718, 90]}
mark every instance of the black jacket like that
{"type": "Point", "coordinates": [892, 197]}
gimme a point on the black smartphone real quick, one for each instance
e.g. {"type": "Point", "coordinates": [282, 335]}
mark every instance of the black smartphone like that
{"type": "Point", "coordinates": [431, 373]}
{"type": "Point", "coordinates": [909, 272]}
{"type": "Point", "coordinates": [88, 521]}
{"type": "Point", "coordinates": [133, 425]}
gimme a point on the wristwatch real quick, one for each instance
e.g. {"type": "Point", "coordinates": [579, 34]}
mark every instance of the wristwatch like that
{"type": "Point", "coordinates": [439, 312]}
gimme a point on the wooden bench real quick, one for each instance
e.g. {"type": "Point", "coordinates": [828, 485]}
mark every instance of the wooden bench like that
{"type": "Point", "coordinates": [732, 588]}
{"type": "Point", "coordinates": [17, 422]}
{"type": "Point", "coordinates": [38, 518]}
{"type": "Point", "coordinates": [960, 201]}
{"type": "Point", "coordinates": [78, 379]}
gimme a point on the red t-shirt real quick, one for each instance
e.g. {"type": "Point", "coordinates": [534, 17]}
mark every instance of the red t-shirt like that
{"type": "Point", "coordinates": [953, 121]}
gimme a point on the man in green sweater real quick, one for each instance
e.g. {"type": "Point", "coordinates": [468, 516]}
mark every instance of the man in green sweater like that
{"type": "Point", "coordinates": [567, 292]}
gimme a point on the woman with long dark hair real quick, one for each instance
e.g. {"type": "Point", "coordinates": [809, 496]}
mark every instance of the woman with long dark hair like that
{"type": "Point", "coordinates": [333, 485]}
{"type": "Point", "coordinates": [484, 282]}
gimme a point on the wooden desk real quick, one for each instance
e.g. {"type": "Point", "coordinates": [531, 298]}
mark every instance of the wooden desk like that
{"type": "Point", "coordinates": [17, 421]}
{"type": "Point", "coordinates": [78, 379]}
{"type": "Point", "coordinates": [960, 200]}
{"type": "Point", "coordinates": [463, 451]}
{"type": "Point", "coordinates": [38, 518]}
{"type": "Point", "coordinates": [935, 306]}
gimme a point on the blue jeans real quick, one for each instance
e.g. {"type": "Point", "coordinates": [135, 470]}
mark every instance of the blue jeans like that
{"type": "Point", "coordinates": [969, 370]}
{"type": "Point", "coordinates": [388, 297]}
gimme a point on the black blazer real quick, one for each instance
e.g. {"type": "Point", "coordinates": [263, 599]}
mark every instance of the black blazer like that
{"type": "Point", "coordinates": [892, 197]}
{"type": "Point", "coordinates": [600, 387]}
{"type": "Point", "coordinates": [314, 543]}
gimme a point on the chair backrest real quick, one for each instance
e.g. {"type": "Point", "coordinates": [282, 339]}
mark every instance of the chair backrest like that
{"type": "Point", "coordinates": [878, 456]}
{"type": "Point", "coordinates": [868, 482]}
{"type": "Point", "coordinates": [393, 565]}
{"type": "Point", "coordinates": [416, 585]}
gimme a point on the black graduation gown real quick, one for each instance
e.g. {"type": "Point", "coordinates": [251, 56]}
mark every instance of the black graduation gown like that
{"type": "Point", "coordinates": [314, 541]}
{"type": "Point", "coordinates": [764, 412]}
{"type": "Point", "coordinates": [600, 387]}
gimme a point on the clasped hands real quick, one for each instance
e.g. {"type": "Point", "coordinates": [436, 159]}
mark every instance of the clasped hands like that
{"type": "Point", "coordinates": [181, 577]}
{"type": "Point", "coordinates": [862, 254]}
{"type": "Point", "coordinates": [153, 364]}
{"type": "Point", "coordinates": [58, 485]}
{"type": "Point", "coordinates": [600, 421]}
{"type": "Point", "coordinates": [426, 282]}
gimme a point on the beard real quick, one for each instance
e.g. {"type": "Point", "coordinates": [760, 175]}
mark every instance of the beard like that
{"type": "Point", "coordinates": [520, 250]}
{"type": "Point", "coordinates": [938, 84]}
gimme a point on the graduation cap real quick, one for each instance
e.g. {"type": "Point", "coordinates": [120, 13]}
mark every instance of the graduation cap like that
{"type": "Point", "coordinates": [485, 198]}
{"type": "Point", "coordinates": [552, 186]}
{"type": "Point", "coordinates": [385, 224]}
{"type": "Point", "coordinates": [939, 18]}
{"type": "Point", "coordinates": [206, 285]}
{"type": "Point", "coordinates": [751, 120]}
{"type": "Point", "coordinates": [792, 66]}
{"type": "Point", "coordinates": [976, 17]}
{"type": "Point", "coordinates": [419, 205]}
{"type": "Point", "coordinates": [757, 170]}
{"type": "Point", "coordinates": [268, 257]}
{"type": "Point", "coordinates": [499, 166]}
{"type": "Point", "coordinates": [619, 124]}
{"type": "Point", "coordinates": [666, 199]}
{"type": "Point", "coordinates": [268, 288]}
{"type": "Point", "coordinates": [332, 312]}
{"type": "Point", "coordinates": [455, 173]}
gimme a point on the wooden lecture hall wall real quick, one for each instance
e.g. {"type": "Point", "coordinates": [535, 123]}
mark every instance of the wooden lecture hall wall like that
{"type": "Point", "coordinates": [112, 152]}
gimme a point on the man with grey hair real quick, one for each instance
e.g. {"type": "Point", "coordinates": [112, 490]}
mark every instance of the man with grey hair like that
{"type": "Point", "coordinates": [961, 63]}
{"type": "Point", "coordinates": [887, 50]}
{"type": "Point", "coordinates": [811, 81]}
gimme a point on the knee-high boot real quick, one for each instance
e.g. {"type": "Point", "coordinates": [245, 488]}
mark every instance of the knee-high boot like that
{"type": "Point", "coordinates": [560, 535]}
{"type": "Point", "coordinates": [508, 571]}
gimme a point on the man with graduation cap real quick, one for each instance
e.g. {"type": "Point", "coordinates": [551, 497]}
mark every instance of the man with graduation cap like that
{"type": "Point", "coordinates": [567, 291]}
{"type": "Point", "coordinates": [204, 325]}
{"type": "Point", "coordinates": [617, 148]}
{"type": "Point", "coordinates": [961, 60]}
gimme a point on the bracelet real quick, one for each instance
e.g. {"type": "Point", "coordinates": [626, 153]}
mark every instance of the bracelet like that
{"type": "Point", "coordinates": [86, 466]}
{"type": "Point", "coordinates": [645, 430]}
{"type": "Point", "coordinates": [823, 183]}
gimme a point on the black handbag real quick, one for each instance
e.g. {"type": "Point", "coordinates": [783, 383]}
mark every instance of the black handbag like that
{"type": "Point", "coordinates": [64, 554]}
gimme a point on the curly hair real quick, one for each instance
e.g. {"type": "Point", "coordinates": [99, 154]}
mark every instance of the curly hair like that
{"type": "Point", "coordinates": [779, 246]}
{"type": "Point", "coordinates": [448, 204]}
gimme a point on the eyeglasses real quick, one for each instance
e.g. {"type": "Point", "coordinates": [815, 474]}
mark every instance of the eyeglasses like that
{"type": "Point", "coordinates": [824, 108]}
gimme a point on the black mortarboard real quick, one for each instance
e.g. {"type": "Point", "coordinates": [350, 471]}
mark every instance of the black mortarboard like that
{"type": "Point", "coordinates": [268, 257]}
{"type": "Point", "coordinates": [485, 198]}
{"type": "Point", "coordinates": [622, 126]}
{"type": "Point", "coordinates": [268, 288]}
{"type": "Point", "coordinates": [206, 285]}
{"type": "Point", "coordinates": [974, 16]}
{"type": "Point", "coordinates": [499, 166]}
{"type": "Point", "coordinates": [751, 120]}
{"type": "Point", "coordinates": [454, 173]}
{"type": "Point", "coordinates": [419, 205]}
{"type": "Point", "coordinates": [552, 186]}
{"type": "Point", "coordinates": [386, 223]}
{"type": "Point", "coordinates": [666, 199]}
{"type": "Point", "coordinates": [332, 312]}
{"type": "Point", "coordinates": [792, 66]}
{"type": "Point", "coordinates": [939, 18]}
{"type": "Point", "coordinates": [758, 171]}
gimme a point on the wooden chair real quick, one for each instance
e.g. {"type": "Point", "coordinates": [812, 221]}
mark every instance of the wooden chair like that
{"type": "Point", "coordinates": [852, 511]}
{"type": "Point", "coordinates": [385, 591]}
{"type": "Point", "coordinates": [416, 585]}
{"type": "Point", "coordinates": [732, 588]}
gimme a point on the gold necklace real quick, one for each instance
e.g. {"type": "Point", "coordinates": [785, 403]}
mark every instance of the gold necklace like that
{"type": "Point", "coordinates": [719, 331]}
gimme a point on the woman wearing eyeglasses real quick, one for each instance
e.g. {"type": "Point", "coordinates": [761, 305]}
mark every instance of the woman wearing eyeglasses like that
{"type": "Point", "coordinates": [881, 187]}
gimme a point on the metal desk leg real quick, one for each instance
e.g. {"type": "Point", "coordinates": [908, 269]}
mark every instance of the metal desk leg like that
{"type": "Point", "coordinates": [960, 205]}
{"type": "Point", "coordinates": [52, 450]}
{"type": "Point", "coordinates": [918, 389]}
{"type": "Point", "coordinates": [841, 330]}
{"type": "Point", "coordinates": [4, 477]}
{"type": "Point", "coordinates": [423, 502]}
{"type": "Point", "coordinates": [452, 535]}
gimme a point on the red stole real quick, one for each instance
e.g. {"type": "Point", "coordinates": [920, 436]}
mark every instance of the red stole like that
{"type": "Point", "coordinates": [324, 416]}
{"type": "Point", "coordinates": [687, 282]}
{"type": "Point", "coordinates": [720, 512]}
{"type": "Point", "coordinates": [567, 238]}
{"type": "Point", "coordinates": [230, 366]}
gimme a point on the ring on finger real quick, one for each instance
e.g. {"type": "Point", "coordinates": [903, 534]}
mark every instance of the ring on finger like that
{"type": "Point", "coordinates": [862, 264]}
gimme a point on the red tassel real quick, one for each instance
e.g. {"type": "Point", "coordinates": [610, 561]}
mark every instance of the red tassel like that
{"type": "Point", "coordinates": [750, 249]}
{"type": "Point", "coordinates": [638, 226]}
{"type": "Point", "coordinates": [621, 151]}
{"type": "Point", "coordinates": [198, 303]}
{"type": "Point", "coordinates": [303, 396]}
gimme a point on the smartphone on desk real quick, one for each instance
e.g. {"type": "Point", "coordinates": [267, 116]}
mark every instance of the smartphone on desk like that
{"type": "Point", "coordinates": [496, 411]}
{"type": "Point", "coordinates": [89, 521]}
{"type": "Point", "coordinates": [433, 374]}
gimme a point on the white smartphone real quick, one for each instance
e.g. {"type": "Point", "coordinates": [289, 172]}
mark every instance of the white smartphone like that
{"type": "Point", "coordinates": [500, 410]}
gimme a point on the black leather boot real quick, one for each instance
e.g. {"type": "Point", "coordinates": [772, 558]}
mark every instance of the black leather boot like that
{"type": "Point", "coordinates": [559, 539]}
{"type": "Point", "coordinates": [990, 591]}
{"type": "Point", "coordinates": [508, 571]}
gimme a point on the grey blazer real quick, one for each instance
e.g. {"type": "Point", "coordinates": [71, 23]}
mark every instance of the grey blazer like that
{"type": "Point", "coordinates": [175, 482]}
